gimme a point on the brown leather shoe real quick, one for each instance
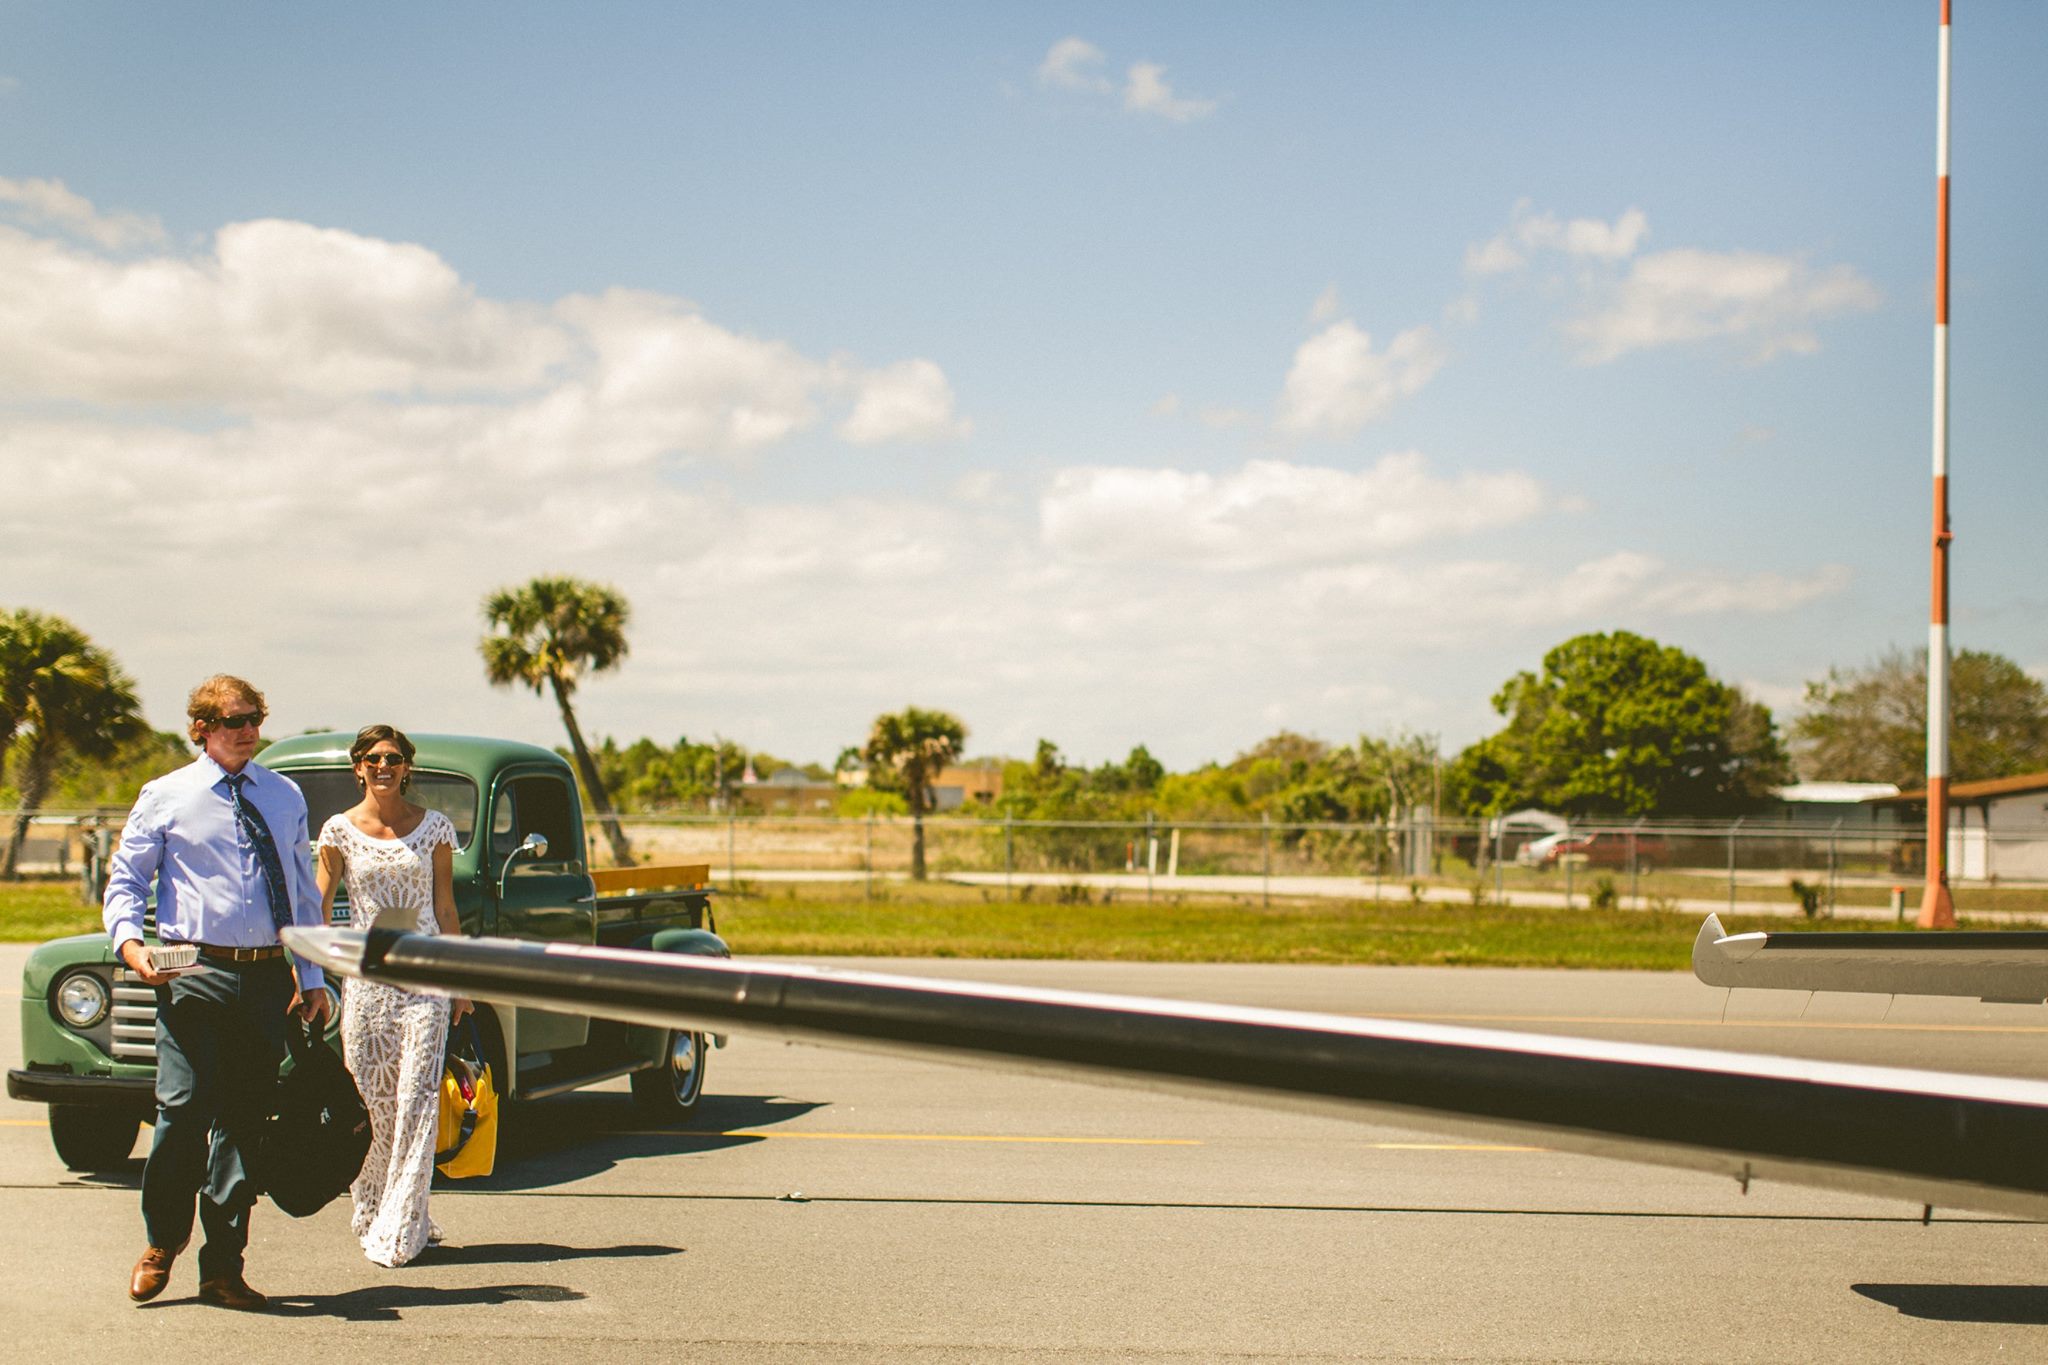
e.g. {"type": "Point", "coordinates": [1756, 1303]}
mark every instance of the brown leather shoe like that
{"type": "Point", "coordinates": [151, 1274]}
{"type": "Point", "coordinates": [232, 1291]}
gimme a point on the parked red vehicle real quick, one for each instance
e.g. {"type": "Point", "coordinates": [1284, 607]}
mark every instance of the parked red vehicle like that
{"type": "Point", "coordinates": [1600, 848]}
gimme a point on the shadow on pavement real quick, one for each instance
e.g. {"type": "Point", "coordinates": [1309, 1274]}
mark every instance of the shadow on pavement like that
{"type": "Point", "coordinates": [2025, 1304]}
{"type": "Point", "coordinates": [529, 1253]}
{"type": "Point", "coordinates": [383, 1303]}
{"type": "Point", "coordinates": [570, 1137]}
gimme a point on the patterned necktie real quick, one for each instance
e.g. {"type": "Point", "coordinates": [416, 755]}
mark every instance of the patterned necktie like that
{"type": "Point", "coordinates": [251, 821]}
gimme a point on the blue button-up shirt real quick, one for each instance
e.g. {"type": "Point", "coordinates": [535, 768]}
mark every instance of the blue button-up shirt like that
{"type": "Point", "coordinates": [183, 836]}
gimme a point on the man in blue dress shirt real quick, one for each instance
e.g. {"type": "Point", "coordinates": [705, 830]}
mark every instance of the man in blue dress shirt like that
{"type": "Point", "coordinates": [224, 841]}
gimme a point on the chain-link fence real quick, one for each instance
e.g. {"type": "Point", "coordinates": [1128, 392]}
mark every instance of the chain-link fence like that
{"type": "Point", "coordinates": [1815, 869]}
{"type": "Point", "coordinates": [1738, 864]}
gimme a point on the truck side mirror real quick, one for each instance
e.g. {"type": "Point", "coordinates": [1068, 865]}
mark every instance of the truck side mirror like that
{"type": "Point", "coordinates": [532, 846]}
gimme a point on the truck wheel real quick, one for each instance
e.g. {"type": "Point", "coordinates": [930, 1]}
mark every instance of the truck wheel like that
{"type": "Point", "coordinates": [90, 1138]}
{"type": "Point", "coordinates": [671, 1090]}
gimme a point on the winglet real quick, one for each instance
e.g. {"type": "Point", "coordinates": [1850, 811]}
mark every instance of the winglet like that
{"type": "Point", "coordinates": [1709, 963]}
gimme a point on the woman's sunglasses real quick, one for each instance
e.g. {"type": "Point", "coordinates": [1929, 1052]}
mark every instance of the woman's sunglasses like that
{"type": "Point", "coordinates": [241, 722]}
{"type": "Point", "coordinates": [382, 760]}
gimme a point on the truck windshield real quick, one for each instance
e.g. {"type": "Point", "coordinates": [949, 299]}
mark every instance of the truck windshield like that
{"type": "Point", "coordinates": [331, 790]}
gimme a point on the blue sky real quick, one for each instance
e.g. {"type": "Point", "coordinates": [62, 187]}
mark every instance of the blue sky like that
{"type": "Point", "coordinates": [1159, 374]}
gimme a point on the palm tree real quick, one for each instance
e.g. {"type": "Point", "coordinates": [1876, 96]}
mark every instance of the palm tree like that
{"type": "Point", "coordinates": [912, 747]}
{"type": "Point", "coordinates": [16, 628]}
{"type": "Point", "coordinates": [549, 633]}
{"type": "Point", "coordinates": [68, 695]}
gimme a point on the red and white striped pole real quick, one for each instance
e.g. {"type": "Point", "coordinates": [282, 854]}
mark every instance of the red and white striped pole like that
{"type": "Point", "coordinates": [1937, 909]}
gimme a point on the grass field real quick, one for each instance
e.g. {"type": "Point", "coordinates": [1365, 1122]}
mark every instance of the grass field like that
{"type": "Point", "coordinates": [967, 922]}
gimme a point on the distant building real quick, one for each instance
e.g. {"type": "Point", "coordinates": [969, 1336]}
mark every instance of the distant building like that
{"type": "Point", "coordinates": [956, 786]}
{"type": "Point", "coordinates": [789, 791]}
{"type": "Point", "coordinates": [1857, 807]}
{"type": "Point", "coordinates": [1997, 828]}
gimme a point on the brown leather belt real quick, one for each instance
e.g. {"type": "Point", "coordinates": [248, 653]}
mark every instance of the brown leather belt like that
{"type": "Point", "coordinates": [240, 954]}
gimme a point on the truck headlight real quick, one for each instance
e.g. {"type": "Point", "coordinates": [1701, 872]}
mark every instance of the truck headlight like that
{"type": "Point", "coordinates": [81, 1000]}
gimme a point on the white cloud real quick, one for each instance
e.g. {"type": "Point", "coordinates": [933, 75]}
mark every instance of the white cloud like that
{"type": "Point", "coordinates": [1584, 238]}
{"type": "Point", "coordinates": [1073, 64]}
{"type": "Point", "coordinates": [1272, 512]}
{"type": "Point", "coordinates": [278, 310]}
{"type": "Point", "coordinates": [1457, 600]}
{"type": "Point", "coordinates": [1768, 302]}
{"type": "Point", "coordinates": [1147, 92]}
{"type": "Point", "coordinates": [1495, 256]}
{"type": "Point", "coordinates": [1251, 591]}
{"type": "Point", "coordinates": [282, 314]}
{"type": "Point", "coordinates": [1326, 307]}
{"type": "Point", "coordinates": [1166, 405]}
{"type": "Point", "coordinates": [1338, 383]}
{"type": "Point", "coordinates": [50, 203]}
{"type": "Point", "coordinates": [908, 401]}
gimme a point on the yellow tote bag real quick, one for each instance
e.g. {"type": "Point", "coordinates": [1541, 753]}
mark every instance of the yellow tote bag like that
{"type": "Point", "coordinates": [466, 1136]}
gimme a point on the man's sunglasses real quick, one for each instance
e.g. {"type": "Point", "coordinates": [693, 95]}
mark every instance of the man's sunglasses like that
{"type": "Point", "coordinates": [383, 760]}
{"type": "Point", "coordinates": [241, 722]}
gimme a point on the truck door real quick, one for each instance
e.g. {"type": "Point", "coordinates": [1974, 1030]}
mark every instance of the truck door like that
{"type": "Point", "coordinates": [550, 897]}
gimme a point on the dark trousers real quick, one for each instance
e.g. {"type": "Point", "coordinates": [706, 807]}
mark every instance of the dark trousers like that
{"type": "Point", "coordinates": [219, 1040]}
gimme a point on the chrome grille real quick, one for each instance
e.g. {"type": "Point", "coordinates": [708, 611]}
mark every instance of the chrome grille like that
{"type": "Point", "coordinates": [134, 1019]}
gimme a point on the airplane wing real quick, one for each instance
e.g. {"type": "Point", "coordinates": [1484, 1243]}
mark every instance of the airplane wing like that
{"type": "Point", "coordinates": [1933, 1138]}
{"type": "Point", "coordinates": [2006, 966]}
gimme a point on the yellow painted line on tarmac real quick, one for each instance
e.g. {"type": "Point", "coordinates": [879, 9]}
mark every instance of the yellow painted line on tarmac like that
{"type": "Point", "coordinates": [964, 1137]}
{"type": "Point", "coordinates": [24, 1123]}
{"type": "Point", "coordinates": [1825, 1024]}
{"type": "Point", "coordinates": [1450, 1147]}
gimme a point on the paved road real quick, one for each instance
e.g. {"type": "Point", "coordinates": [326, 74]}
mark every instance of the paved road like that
{"type": "Point", "coordinates": [835, 1206]}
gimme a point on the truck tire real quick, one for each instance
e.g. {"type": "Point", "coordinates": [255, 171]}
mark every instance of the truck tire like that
{"type": "Point", "coordinates": [669, 1092]}
{"type": "Point", "coordinates": [91, 1137]}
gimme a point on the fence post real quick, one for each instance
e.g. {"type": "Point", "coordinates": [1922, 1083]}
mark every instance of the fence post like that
{"type": "Point", "coordinates": [1151, 853]}
{"type": "Point", "coordinates": [868, 892]}
{"type": "Point", "coordinates": [1266, 873]}
{"type": "Point", "coordinates": [1499, 877]}
{"type": "Point", "coordinates": [1634, 872]}
{"type": "Point", "coordinates": [1833, 831]}
{"type": "Point", "coordinates": [1731, 862]}
{"type": "Point", "coordinates": [1567, 859]}
{"type": "Point", "coordinates": [1009, 857]}
{"type": "Point", "coordinates": [731, 875]}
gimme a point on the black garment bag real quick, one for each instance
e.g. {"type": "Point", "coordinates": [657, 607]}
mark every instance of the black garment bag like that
{"type": "Point", "coordinates": [312, 1149]}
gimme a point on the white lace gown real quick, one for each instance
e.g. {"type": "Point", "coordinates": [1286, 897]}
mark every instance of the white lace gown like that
{"type": "Point", "coordinates": [393, 1039]}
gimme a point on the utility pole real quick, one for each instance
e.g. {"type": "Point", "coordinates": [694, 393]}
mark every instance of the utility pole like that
{"type": "Point", "coordinates": [1937, 908]}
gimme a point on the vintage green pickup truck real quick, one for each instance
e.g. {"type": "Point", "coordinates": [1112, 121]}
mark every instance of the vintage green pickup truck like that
{"type": "Point", "coordinates": [88, 1027]}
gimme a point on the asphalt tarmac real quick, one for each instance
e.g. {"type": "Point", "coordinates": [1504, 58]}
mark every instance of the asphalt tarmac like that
{"type": "Point", "coordinates": [838, 1206]}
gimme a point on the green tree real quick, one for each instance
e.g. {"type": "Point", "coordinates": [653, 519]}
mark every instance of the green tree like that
{"type": "Point", "coordinates": [549, 633]}
{"type": "Point", "coordinates": [1618, 724]}
{"type": "Point", "coordinates": [905, 752]}
{"type": "Point", "coordinates": [1870, 724]}
{"type": "Point", "coordinates": [68, 698]}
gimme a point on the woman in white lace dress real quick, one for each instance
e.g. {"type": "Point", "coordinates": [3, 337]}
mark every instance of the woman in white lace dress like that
{"type": "Point", "coordinates": [398, 862]}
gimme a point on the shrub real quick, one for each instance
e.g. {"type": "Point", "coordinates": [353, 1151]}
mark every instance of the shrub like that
{"type": "Point", "coordinates": [1808, 895]}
